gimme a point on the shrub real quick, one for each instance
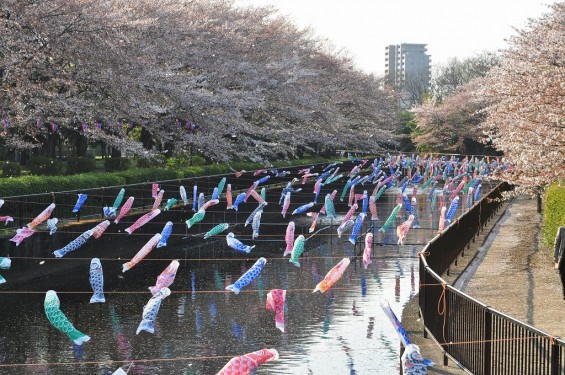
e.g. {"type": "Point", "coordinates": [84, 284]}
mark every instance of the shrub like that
{"type": "Point", "coordinates": [134, 176]}
{"type": "Point", "coordinates": [80, 165]}
{"type": "Point", "coordinates": [41, 166]}
{"type": "Point", "coordinates": [198, 160]}
{"type": "Point", "coordinates": [116, 164]}
{"type": "Point", "coordinates": [10, 169]}
{"type": "Point", "coordinates": [156, 161]}
{"type": "Point", "coordinates": [178, 162]}
{"type": "Point", "coordinates": [182, 161]}
{"type": "Point", "coordinates": [553, 212]}
{"type": "Point", "coordinates": [46, 184]}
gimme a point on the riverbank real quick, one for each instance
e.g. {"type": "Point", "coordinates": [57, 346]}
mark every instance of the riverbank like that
{"type": "Point", "coordinates": [509, 269]}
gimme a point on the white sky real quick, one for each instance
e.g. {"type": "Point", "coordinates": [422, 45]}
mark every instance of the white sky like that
{"type": "Point", "coordinates": [450, 28]}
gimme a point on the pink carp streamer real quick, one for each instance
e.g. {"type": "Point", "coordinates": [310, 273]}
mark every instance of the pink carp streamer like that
{"type": "Point", "coordinates": [146, 249]}
{"type": "Point", "coordinates": [275, 303]}
{"type": "Point", "coordinates": [250, 189]}
{"type": "Point", "coordinates": [210, 203]}
{"type": "Point", "coordinates": [158, 200]}
{"type": "Point", "coordinates": [441, 225]}
{"type": "Point", "coordinates": [6, 219]}
{"type": "Point", "coordinates": [286, 204]}
{"type": "Point", "coordinates": [351, 196]}
{"type": "Point", "coordinates": [458, 189]}
{"type": "Point", "coordinates": [402, 229]}
{"type": "Point", "coordinates": [166, 278]}
{"type": "Point", "coordinates": [100, 228]}
{"type": "Point", "coordinates": [314, 216]}
{"type": "Point", "coordinates": [154, 190]}
{"type": "Point", "coordinates": [229, 198]}
{"type": "Point", "coordinates": [124, 210]}
{"type": "Point", "coordinates": [258, 197]}
{"type": "Point", "coordinates": [317, 186]}
{"type": "Point", "coordinates": [246, 364]}
{"type": "Point", "coordinates": [332, 276]}
{"type": "Point", "coordinates": [142, 221]}
{"type": "Point", "coordinates": [22, 234]}
{"type": "Point", "coordinates": [373, 208]}
{"type": "Point", "coordinates": [349, 213]}
{"type": "Point", "coordinates": [308, 175]}
{"type": "Point", "coordinates": [42, 216]}
{"type": "Point", "coordinates": [368, 249]}
{"type": "Point", "coordinates": [289, 238]}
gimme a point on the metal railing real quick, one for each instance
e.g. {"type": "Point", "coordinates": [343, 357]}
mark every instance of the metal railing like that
{"type": "Point", "coordinates": [483, 340]}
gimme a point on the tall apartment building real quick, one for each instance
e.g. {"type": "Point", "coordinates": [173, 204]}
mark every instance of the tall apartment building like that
{"type": "Point", "coordinates": [408, 64]}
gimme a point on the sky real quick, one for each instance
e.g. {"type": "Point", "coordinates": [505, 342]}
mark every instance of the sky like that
{"type": "Point", "coordinates": [450, 28]}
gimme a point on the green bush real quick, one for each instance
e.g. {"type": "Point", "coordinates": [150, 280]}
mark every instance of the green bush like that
{"type": "Point", "coordinates": [80, 165]}
{"type": "Point", "coordinates": [46, 184]}
{"type": "Point", "coordinates": [553, 212]}
{"type": "Point", "coordinates": [10, 169]}
{"type": "Point", "coordinates": [44, 166]}
{"type": "Point", "coordinates": [178, 162]}
{"type": "Point", "coordinates": [182, 161]}
{"type": "Point", "coordinates": [116, 164]}
{"type": "Point", "coordinates": [134, 176]}
{"type": "Point", "coordinates": [157, 161]}
{"type": "Point", "coordinates": [198, 160]}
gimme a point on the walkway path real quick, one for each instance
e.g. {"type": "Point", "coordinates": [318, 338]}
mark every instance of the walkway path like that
{"type": "Point", "coordinates": [512, 272]}
{"type": "Point", "coordinates": [527, 286]}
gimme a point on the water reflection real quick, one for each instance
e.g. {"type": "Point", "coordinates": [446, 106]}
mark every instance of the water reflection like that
{"type": "Point", "coordinates": [341, 331]}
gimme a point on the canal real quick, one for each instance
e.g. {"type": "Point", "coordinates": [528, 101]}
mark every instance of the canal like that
{"type": "Point", "coordinates": [201, 325]}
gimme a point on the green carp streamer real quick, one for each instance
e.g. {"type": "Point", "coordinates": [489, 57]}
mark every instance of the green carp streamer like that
{"type": "Point", "coordinates": [391, 218]}
{"type": "Point", "coordinates": [196, 218]}
{"type": "Point", "coordinates": [60, 321]}
{"type": "Point", "coordinates": [380, 192]}
{"type": "Point", "coordinates": [216, 230]}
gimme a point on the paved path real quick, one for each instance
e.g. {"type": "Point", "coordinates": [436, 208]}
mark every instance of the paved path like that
{"type": "Point", "coordinates": [509, 269]}
{"type": "Point", "coordinates": [526, 286]}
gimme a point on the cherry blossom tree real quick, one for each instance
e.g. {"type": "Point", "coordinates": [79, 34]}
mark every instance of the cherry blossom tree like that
{"type": "Point", "coordinates": [197, 76]}
{"type": "Point", "coordinates": [449, 119]}
{"type": "Point", "coordinates": [448, 77]}
{"type": "Point", "coordinates": [454, 124]}
{"type": "Point", "coordinates": [526, 118]}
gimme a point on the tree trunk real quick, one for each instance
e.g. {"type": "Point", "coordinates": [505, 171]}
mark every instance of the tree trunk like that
{"type": "Point", "coordinates": [81, 146]}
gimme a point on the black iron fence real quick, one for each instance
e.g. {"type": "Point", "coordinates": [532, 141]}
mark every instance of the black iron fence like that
{"type": "Point", "coordinates": [481, 339]}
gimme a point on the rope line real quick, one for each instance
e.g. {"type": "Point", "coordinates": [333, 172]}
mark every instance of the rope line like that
{"type": "Point", "coordinates": [442, 308]}
{"type": "Point", "coordinates": [216, 259]}
{"type": "Point", "coordinates": [183, 291]}
{"type": "Point", "coordinates": [172, 292]}
{"type": "Point", "coordinates": [282, 354]}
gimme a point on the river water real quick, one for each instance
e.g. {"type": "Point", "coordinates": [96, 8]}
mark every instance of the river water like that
{"type": "Point", "coordinates": [200, 325]}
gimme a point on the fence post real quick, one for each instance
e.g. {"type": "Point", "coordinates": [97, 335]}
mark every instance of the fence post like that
{"type": "Point", "coordinates": [143, 194]}
{"type": "Point", "coordinates": [554, 357]}
{"type": "Point", "coordinates": [20, 214]}
{"type": "Point", "coordinates": [402, 349]}
{"type": "Point", "coordinates": [422, 293]}
{"type": "Point", "coordinates": [488, 342]}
